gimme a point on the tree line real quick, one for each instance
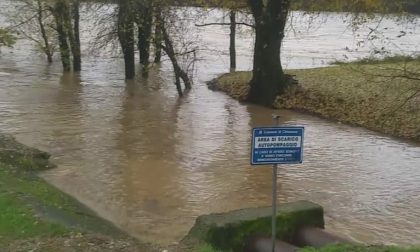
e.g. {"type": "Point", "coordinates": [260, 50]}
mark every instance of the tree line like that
{"type": "Point", "coordinates": [141, 25]}
{"type": "Point", "coordinates": [55, 24]}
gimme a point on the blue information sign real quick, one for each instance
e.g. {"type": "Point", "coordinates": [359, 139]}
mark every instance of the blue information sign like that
{"type": "Point", "coordinates": [277, 145]}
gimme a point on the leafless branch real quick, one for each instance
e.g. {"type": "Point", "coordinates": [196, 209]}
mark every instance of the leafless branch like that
{"type": "Point", "coordinates": [238, 23]}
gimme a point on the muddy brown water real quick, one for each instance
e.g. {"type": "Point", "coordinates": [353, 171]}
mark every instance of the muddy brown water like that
{"type": "Point", "coordinates": [152, 163]}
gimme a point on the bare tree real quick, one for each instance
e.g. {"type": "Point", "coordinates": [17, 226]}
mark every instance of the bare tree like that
{"type": "Point", "coordinates": [168, 24]}
{"type": "Point", "coordinates": [33, 21]}
{"type": "Point", "coordinates": [104, 18]}
{"type": "Point", "coordinates": [234, 22]}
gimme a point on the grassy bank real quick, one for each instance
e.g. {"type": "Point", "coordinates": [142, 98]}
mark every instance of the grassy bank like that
{"type": "Point", "coordinates": [371, 94]}
{"type": "Point", "coordinates": [35, 216]}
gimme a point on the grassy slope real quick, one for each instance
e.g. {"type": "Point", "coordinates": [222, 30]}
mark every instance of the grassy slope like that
{"type": "Point", "coordinates": [355, 93]}
{"type": "Point", "coordinates": [35, 216]}
{"type": "Point", "coordinates": [24, 227]}
{"type": "Point", "coordinates": [17, 219]}
{"type": "Point", "coordinates": [359, 94]}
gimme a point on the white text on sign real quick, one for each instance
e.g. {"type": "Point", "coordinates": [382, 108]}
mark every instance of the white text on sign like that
{"type": "Point", "coordinates": [277, 142]}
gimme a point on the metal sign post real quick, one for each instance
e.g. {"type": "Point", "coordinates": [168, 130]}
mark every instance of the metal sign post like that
{"type": "Point", "coordinates": [276, 119]}
{"type": "Point", "coordinates": [276, 145]}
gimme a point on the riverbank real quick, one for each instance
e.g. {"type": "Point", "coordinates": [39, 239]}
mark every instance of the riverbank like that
{"type": "Point", "coordinates": [370, 94]}
{"type": "Point", "coordinates": [36, 216]}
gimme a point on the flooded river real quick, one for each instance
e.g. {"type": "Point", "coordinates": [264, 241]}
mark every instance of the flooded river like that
{"type": "Point", "coordinates": [152, 163]}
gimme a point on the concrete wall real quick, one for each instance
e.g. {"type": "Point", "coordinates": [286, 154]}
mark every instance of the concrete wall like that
{"type": "Point", "coordinates": [231, 231]}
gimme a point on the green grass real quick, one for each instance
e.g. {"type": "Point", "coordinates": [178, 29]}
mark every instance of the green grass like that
{"type": "Point", "coordinates": [368, 93]}
{"type": "Point", "coordinates": [364, 94]}
{"type": "Point", "coordinates": [359, 248]}
{"type": "Point", "coordinates": [17, 219]}
{"type": "Point", "coordinates": [207, 248]}
{"type": "Point", "coordinates": [31, 208]}
{"type": "Point", "coordinates": [234, 84]}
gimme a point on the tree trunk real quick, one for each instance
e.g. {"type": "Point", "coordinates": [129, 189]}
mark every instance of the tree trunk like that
{"type": "Point", "coordinates": [68, 26]}
{"type": "Point", "coordinates": [59, 11]}
{"type": "Point", "coordinates": [178, 84]}
{"type": "Point", "coordinates": [179, 73]}
{"type": "Point", "coordinates": [268, 78]}
{"type": "Point", "coordinates": [144, 24]}
{"type": "Point", "coordinates": [126, 37]}
{"type": "Point", "coordinates": [47, 47]}
{"type": "Point", "coordinates": [158, 36]}
{"type": "Point", "coordinates": [77, 57]}
{"type": "Point", "coordinates": [232, 47]}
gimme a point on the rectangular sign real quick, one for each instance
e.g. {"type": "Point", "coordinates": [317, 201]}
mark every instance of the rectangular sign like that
{"type": "Point", "coordinates": [277, 145]}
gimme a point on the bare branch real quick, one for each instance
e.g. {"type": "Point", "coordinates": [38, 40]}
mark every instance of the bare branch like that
{"type": "Point", "coordinates": [240, 23]}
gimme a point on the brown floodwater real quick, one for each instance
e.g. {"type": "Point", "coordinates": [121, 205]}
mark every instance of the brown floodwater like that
{"type": "Point", "coordinates": [151, 162]}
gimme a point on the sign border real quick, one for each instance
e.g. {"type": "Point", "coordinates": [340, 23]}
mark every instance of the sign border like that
{"type": "Point", "coordinates": [271, 163]}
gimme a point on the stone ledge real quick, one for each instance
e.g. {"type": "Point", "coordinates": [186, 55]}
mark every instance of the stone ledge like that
{"type": "Point", "coordinates": [230, 231]}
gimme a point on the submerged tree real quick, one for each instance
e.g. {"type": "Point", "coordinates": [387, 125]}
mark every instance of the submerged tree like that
{"type": "Point", "coordinates": [157, 39]}
{"type": "Point", "coordinates": [126, 36]}
{"type": "Point", "coordinates": [66, 15]}
{"type": "Point", "coordinates": [75, 42]}
{"type": "Point", "coordinates": [45, 39]}
{"type": "Point", "coordinates": [144, 20]}
{"type": "Point", "coordinates": [61, 13]}
{"type": "Point", "coordinates": [147, 14]}
{"type": "Point", "coordinates": [168, 28]}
